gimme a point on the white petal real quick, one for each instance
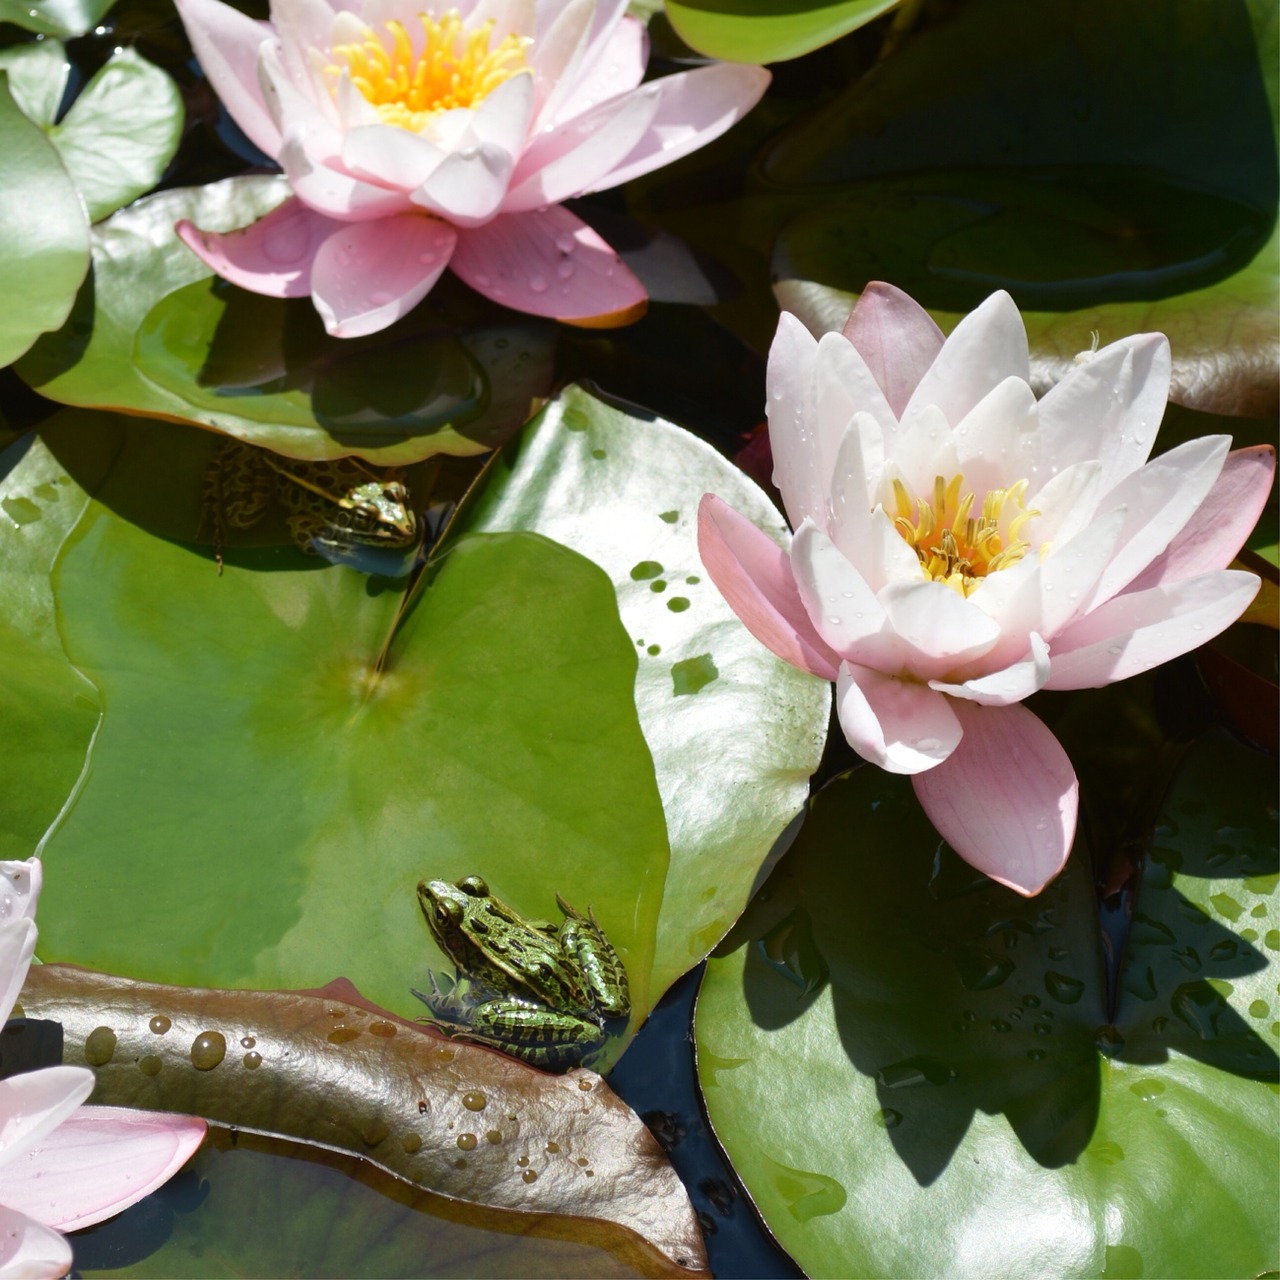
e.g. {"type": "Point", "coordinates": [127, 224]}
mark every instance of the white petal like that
{"type": "Point", "coordinates": [20, 884]}
{"type": "Point", "coordinates": [944, 630]}
{"type": "Point", "coordinates": [996, 440]}
{"type": "Point", "coordinates": [28, 1248]}
{"type": "Point", "coordinates": [35, 1103]}
{"type": "Point", "coordinates": [798, 469]}
{"type": "Point", "coordinates": [616, 68]}
{"type": "Point", "coordinates": [17, 946]}
{"type": "Point", "coordinates": [1108, 408]}
{"type": "Point", "coordinates": [838, 600]}
{"type": "Point", "coordinates": [557, 57]}
{"type": "Point", "coordinates": [1067, 502]}
{"type": "Point", "coordinates": [924, 450]}
{"type": "Point", "coordinates": [1133, 633]}
{"type": "Point", "coordinates": [902, 726]}
{"type": "Point", "coordinates": [849, 496]}
{"type": "Point", "coordinates": [1158, 500]}
{"type": "Point", "coordinates": [389, 156]}
{"type": "Point", "coordinates": [1014, 683]}
{"type": "Point", "coordinates": [844, 386]}
{"type": "Point", "coordinates": [987, 346]}
{"type": "Point", "coordinates": [468, 186]}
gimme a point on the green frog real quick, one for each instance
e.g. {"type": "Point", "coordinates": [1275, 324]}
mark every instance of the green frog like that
{"type": "Point", "coordinates": [547, 994]}
{"type": "Point", "coordinates": [331, 506]}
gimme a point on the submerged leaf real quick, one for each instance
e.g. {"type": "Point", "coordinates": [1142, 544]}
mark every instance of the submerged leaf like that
{"type": "Point", "coordinates": [327, 1067]}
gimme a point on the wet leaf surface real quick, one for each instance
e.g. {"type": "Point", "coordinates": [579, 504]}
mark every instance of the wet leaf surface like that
{"type": "Point", "coordinates": [961, 1054]}
{"type": "Point", "coordinates": [328, 1068]}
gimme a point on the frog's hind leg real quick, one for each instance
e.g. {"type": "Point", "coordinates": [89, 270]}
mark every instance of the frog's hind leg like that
{"type": "Point", "coordinates": [237, 490]}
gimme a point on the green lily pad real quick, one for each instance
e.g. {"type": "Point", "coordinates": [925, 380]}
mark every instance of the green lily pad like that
{"type": "Point", "coordinates": [45, 251]}
{"type": "Point", "coordinates": [626, 492]}
{"type": "Point", "coordinates": [49, 709]}
{"type": "Point", "coordinates": [38, 74]}
{"type": "Point", "coordinates": [65, 18]}
{"type": "Point", "coordinates": [120, 133]}
{"type": "Point", "coordinates": [268, 797]}
{"type": "Point", "coordinates": [965, 1066]}
{"type": "Point", "coordinates": [768, 30]}
{"type": "Point", "coordinates": [1115, 169]}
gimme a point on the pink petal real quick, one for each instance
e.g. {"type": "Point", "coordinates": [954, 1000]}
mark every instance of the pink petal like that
{"type": "Point", "coordinates": [694, 107]}
{"type": "Point", "coordinates": [35, 1103]}
{"type": "Point", "coordinates": [29, 1248]}
{"type": "Point", "coordinates": [98, 1162]}
{"type": "Point", "coordinates": [17, 946]}
{"type": "Point", "coordinates": [896, 337]}
{"type": "Point", "coordinates": [1221, 523]}
{"type": "Point", "coordinates": [1005, 800]}
{"type": "Point", "coordinates": [616, 67]}
{"type": "Point", "coordinates": [272, 256]}
{"type": "Point", "coordinates": [573, 157]}
{"type": "Point", "coordinates": [226, 43]}
{"type": "Point", "coordinates": [1139, 630]}
{"type": "Point", "coordinates": [902, 726]}
{"type": "Point", "coordinates": [986, 347]}
{"type": "Point", "coordinates": [20, 884]}
{"type": "Point", "coordinates": [549, 263]}
{"type": "Point", "coordinates": [754, 575]}
{"type": "Point", "coordinates": [1013, 683]}
{"type": "Point", "coordinates": [1108, 407]}
{"type": "Point", "coordinates": [368, 274]}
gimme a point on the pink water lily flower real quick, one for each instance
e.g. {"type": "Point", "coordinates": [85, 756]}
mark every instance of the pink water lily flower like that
{"type": "Point", "coordinates": [417, 136]}
{"type": "Point", "coordinates": [959, 546]}
{"type": "Point", "coordinates": [62, 1165]}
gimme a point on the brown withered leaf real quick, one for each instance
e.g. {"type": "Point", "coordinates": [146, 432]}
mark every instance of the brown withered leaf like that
{"type": "Point", "coordinates": [328, 1068]}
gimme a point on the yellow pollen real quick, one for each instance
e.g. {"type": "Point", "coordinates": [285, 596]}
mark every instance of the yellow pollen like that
{"type": "Point", "coordinates": [455, 68]}
{"type": "Point", "coordinates": [955, 546]}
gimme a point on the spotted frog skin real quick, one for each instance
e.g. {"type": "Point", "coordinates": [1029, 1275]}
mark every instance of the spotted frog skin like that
{"type": "Point", "coordinates": [543, 993]}
{"type": "Point", "coordinates": [330, 506]}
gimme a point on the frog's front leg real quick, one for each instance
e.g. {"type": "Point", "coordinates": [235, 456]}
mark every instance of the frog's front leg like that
{"type": "Point", "coordinates": [522, 1028]}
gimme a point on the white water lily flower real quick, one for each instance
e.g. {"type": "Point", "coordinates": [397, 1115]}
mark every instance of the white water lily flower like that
{"type": "Point", "coordinates": [62, 1165]}
{"type": "Point", "coordinates": [959, 546]}
{"type": "Point", "coordinates": [423, 136]}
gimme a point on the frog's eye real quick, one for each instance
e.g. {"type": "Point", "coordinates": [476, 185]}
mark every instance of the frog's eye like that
{"type": "Point", "coordinates": [448, 911]}
{"type": "Point", "coordinates": [474, 886]}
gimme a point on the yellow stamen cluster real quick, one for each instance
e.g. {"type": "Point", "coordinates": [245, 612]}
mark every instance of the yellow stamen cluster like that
{"type": "Point", "coordinates": [955, 546]}
{"type": "Point", "coordinates": [456, 68]}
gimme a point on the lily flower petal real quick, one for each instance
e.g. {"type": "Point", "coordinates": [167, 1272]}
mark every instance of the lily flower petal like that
{"type": "Point", "coordinates": [1108, 407]}
{"type": "Point", "coordinates": [367, 274]}
{"type": "Point", "coordinates": [693, 108]}
{"type": "Point", "coordinates": [1139, 630]}
{"type": "Point", "coordinates": [1222, 522]}
{"type": "Point", "coordinates": [536, 102]}
{"type": "Point", "coordinates": [984, 546]}
{"type": "Point", "coordinates": [986, 347]}
{"type": "Point", "coordinates": [33, 1104]}
{"type": "Point", "coordinates": [902, 726]}
{"type": "Point", "coordinates": [896, 337]}
{"type": "Point", "coordinates": [273, 256]}
{"type": "Point", "coordinates": [549, 263]}
{"type": "Point", "coordinates": [754, 575]}
{"type": "Point", "coordinates": [29, 1248]}
{"type": "Point", "coordinates": [1011, 684]}
{"type": "Point", "coordinates": [17, 946]}
{"type": "Point", "coordinates": [98, 1162]}
{"type": "Point", "coordinates": [1006, 799]}
{"type": "Point", "coordinates": [227, 42]}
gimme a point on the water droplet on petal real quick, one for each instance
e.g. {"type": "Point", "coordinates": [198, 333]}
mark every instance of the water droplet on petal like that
{"type": "Point", "coordinates": [538, 284]}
